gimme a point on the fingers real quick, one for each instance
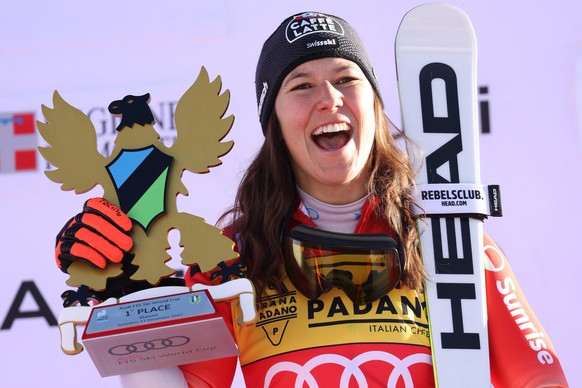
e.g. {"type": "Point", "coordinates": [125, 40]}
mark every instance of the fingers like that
{"type": "Point", "coordinates": [98, 235]}
{"type": "Point", "coordinates": [102, 227]}
{"type": "Point", "coordinates": [87, 234]}
{"type": "Point", "coordinates": [108, 211]}
{"type": "Point", "coordinates": [70, 251]}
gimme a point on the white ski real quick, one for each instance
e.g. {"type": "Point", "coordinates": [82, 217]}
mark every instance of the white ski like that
{"type": "Point", "coordinates": [436, 55]}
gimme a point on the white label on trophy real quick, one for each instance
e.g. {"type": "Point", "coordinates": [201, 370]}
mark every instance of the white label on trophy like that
{"type": "Point", "coordinates": [142, 312]}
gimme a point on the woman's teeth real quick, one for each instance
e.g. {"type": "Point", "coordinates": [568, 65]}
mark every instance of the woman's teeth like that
{"type": "Point", "coordinates": [331, 128]}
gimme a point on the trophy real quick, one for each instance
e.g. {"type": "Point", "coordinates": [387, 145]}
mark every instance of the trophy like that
{"type": "Point", "coordinates": [163, 323]}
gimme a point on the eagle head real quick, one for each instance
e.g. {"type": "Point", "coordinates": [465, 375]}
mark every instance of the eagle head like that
{"type": "Point", "coordinates": [133, 110]}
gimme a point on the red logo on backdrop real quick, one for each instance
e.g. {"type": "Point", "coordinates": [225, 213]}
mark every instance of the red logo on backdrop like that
{"type": "Point", "coordinates": [18, 142]}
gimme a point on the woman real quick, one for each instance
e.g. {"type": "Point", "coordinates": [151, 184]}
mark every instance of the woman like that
{"type": "Point", "coordinates": [329, 161]}
{"type": "Point", "coordinates": [329, 176]}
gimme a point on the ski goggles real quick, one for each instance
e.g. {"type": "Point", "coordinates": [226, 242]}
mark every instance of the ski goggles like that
{"type": "Point", "coordinates": [365, 266]}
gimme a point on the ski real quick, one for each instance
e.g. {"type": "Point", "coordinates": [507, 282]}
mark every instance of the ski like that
{"type": "Point", "coordinates": [436, 67]}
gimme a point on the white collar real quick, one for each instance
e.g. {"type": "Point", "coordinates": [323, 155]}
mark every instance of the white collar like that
{"type": "Point", "coordinates": [335, 218]}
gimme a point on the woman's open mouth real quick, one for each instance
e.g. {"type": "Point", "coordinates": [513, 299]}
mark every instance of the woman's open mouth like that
{"type": "Point", "coordinates": [332, 136]}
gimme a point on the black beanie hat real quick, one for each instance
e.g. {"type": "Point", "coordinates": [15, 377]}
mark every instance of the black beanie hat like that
{"type": "Point", "coordinates": [301, 38]}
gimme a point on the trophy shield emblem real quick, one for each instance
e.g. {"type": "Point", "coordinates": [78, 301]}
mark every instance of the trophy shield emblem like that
{"type": "Point", "coordinates": [140, 177]}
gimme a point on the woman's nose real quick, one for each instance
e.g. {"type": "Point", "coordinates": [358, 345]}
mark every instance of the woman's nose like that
{"type": "Point", "coordinates": [328, 97]}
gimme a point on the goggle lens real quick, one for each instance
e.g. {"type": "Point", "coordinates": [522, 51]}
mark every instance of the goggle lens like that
{"type": "Point", "coordinates": [365, 266]}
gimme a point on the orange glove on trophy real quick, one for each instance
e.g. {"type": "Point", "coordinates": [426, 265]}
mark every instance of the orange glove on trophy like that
{"type": "Point", "coordinates": [100, 233]}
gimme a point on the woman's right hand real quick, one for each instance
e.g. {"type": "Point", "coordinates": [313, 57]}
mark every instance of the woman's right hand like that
{"type": "Point", "coordinates": [97, 235]}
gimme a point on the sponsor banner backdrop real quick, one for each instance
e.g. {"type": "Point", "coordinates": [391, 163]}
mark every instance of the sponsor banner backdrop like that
{"type": "Point", "coordinates": [93, 54]}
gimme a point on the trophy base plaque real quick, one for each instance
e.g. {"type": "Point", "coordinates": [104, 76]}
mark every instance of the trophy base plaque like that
{"type": "Point", "coordinates": [156, 332]}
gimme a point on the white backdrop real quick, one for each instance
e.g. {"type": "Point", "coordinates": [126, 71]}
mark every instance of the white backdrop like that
{"type": "Point", "coordinates": [530, 60]}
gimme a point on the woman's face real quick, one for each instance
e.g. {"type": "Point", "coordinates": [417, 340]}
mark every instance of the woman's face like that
{"type": "Point", "coordinates": [326, 111]}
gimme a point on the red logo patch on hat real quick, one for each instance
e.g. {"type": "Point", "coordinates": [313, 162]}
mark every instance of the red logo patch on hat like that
{"type": "Point", "coordinates": [310, 23]}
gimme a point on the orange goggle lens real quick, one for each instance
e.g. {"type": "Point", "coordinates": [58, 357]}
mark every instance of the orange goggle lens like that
{"type": "Point", "coordinates": [364, 266]}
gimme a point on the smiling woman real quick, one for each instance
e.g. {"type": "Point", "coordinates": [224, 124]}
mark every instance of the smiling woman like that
{"type": "Point", "coordinates": [328, 178]}
{"type": "Point", "coordinates": [305, 90]}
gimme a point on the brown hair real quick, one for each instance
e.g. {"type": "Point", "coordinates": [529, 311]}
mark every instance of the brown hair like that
{"type": "Point", "coordinates": [266, 197]}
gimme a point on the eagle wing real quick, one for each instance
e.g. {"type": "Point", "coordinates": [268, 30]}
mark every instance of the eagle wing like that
{"type": "Point", "coordinates": [72, 147]}
{"type": "Point", "coordinates": [200, 125]}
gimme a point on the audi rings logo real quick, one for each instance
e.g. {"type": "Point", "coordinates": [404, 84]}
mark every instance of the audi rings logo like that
{"type": "Point", "coordinates": [351, 368]}
{"type": "Point", "coordinates": [145, 346]}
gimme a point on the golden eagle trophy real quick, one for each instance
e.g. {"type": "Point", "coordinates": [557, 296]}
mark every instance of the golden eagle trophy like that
{"type": "Point", "coordinates": [143, 177]}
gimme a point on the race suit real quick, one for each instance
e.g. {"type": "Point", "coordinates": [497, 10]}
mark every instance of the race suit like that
{"type": "Point", "coordinates": [332, 342]}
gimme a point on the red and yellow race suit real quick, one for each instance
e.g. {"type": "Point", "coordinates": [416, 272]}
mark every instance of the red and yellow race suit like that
{"type": "Point", "coordinates": [330, 342]}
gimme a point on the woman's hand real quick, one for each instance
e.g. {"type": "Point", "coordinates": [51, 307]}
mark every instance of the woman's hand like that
{"type": "Point", "coordinates": [97, 235]}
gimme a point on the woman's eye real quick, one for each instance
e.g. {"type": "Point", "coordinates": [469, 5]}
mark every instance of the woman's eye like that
{"type": "Point", "coordinates": [301, 86]}
{"type": "Point", "coordinates": [346, 80]}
